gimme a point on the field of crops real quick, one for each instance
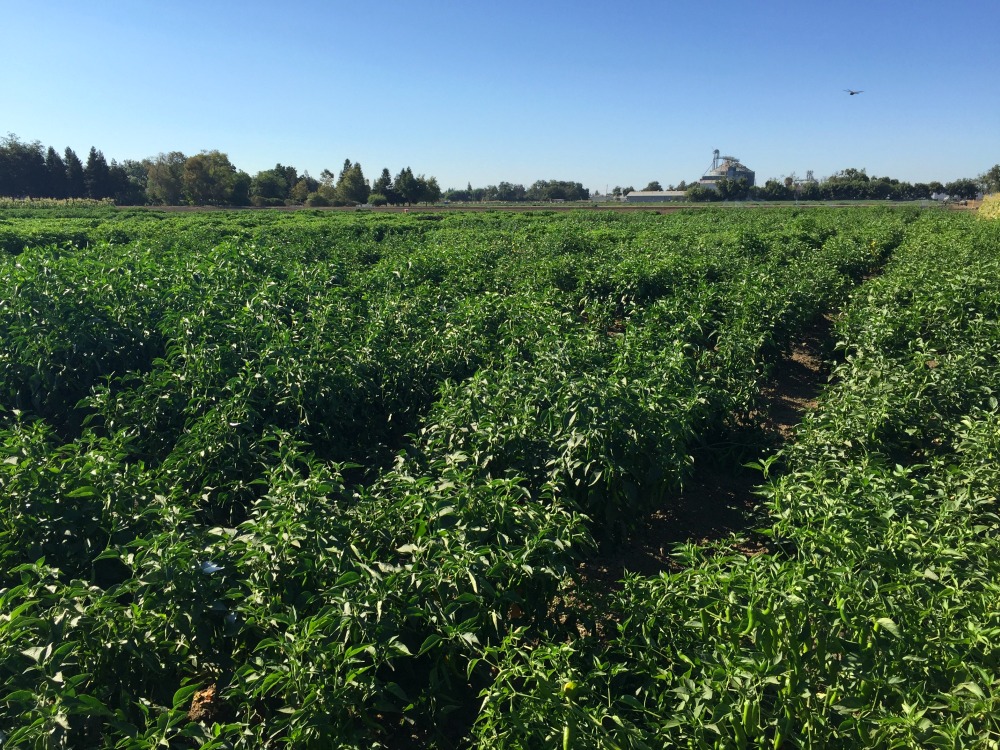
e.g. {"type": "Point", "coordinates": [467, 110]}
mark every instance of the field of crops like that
{"type": "Point", "coordinates": [325, 480]}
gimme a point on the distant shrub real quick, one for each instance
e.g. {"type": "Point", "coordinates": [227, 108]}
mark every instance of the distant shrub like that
{"type": "Point", "coordinates": [316, 200]}
{"type": "Point", "coordinates": [377, 199]}
{"type": "Point", "coordinates": [55, 203]}
{"type": "Point", "coordinates": [262, 202]}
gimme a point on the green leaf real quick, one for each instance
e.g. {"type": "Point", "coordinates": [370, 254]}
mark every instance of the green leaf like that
{"type": "Point", "coordinates": [18, 696]}
{"type": "Point", "coordinates": [183, 696]}
{"type": "Point", "coordinates": [346, 579]}
{"type": "Point", "coordinates": [430, 642]}
{"type": "Point", "coordinates": [34, 653]}
{"type": "Point", "coordinates": [93, 706]}
{"type": "Point", "coordinates": [889, 626]}
{"type": "Point", "coordinates": [970, 687]}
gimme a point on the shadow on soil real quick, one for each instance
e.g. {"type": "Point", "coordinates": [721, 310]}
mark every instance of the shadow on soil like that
{"type": "Point", "coordinates": [721, 499]}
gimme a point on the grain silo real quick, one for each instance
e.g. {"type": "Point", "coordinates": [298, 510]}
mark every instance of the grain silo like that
{"type": "Point", "coordinates": [726, 167]}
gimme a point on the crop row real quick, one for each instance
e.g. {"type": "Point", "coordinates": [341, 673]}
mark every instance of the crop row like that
{"type": "Point", "coordinates": [873, 621]}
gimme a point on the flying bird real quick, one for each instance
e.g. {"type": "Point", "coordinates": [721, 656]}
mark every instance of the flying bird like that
{"type": "Point", "coordinates": [852, 92]}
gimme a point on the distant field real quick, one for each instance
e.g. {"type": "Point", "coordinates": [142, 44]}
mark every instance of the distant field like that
{"type": "Point", "coordinates": [323, 479]}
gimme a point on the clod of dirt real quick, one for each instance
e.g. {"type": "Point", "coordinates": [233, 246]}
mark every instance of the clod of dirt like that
{"type": "Point", "coordinates": [207, 706]}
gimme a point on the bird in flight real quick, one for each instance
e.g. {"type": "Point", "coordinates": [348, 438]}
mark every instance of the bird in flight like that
{"type": "Point", "coordinates": [852, 92]}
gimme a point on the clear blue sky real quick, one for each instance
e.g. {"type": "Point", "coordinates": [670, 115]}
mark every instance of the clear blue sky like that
{"type": "Point", "coordinates": [603, 93]}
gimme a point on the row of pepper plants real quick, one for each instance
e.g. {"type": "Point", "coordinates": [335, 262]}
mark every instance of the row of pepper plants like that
{"type": "Point", "coordinates": [332, 471]}
{"type": "Point", "coordinates": [873, 620]}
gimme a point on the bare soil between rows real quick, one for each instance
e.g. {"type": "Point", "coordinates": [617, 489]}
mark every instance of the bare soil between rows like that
{"type": "Point", "coordinates": [721, 502]}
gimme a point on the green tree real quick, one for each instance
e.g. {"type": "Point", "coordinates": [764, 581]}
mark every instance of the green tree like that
{"type": "Point", "coordinates": [165, 179]}
{"type": "Point", "coordinates": [209, 178]}
{"type": "Point", "coordinates": [772, 190]}
{"type": "Point", "coordinates": [989, 181]}
{"type": "Point", "coordinates": [97, 175]}
{"type": "Point", "coordinates": [654, 185]}
{"type": "Point", "coordinates": [269, 188]}
{"type": "Point", "coordinates": [22, 168]}
{"type": "Point", "coordinates": [127, 182]}
{"type": "Point", "coordinates": [291, 174]}
{"type": "Point", "coordinates": [383, 186]}
{"type": "Point", "coordinates": [240, 192]}
{"type": "Point", "coordinates": [352, 187]}
{"type": "Point", "coordinates": [549, 190]}
{"type": "Point", "coordinates": [963, 189]}
{"type": "Point", "coordinates": [327, 186]}
{"type": "Point", "coordinates": [732, 190]}
{"type": "Point", "coordinates": [316, 200]}
{"type": "Point", "coordinates": [344, 169]}
{"type": "Point", "coordinates": [428, 190]}
{"type": "Point", "coordinates": [75, 186]}
{"type": "Point", "coordinates": [849, 184]}
{"type": "Point", "coordinates": [510, 193]}
{"type": "Point", "coordinates": [698, 193]}
{"type": "Point", "coordinates": [55, 174]}
{"type": "Point", "coordinates": [272, 187]}
{"type": "Point", "coordinates": [405, 187]}
{"type": "Point", "coordinates": [851, 175]}
{"type": "Point", "coordinates": [810, 191]}
{"type": "Point", "coordinates": [303, 188]}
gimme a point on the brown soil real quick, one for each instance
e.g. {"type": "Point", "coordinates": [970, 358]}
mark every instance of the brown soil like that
{"type": "Point", "coordinates": [798, 381]}
{"type": "Point", "coordinates": [720, 503]}
{"type": "Point", "coordinates": [207, 706]}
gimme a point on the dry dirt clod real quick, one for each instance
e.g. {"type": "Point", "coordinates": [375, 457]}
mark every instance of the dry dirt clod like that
{"type": "Point", "coordinates": [207, 706]}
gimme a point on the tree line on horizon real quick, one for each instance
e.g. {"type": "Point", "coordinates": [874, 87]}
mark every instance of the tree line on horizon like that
{"type": "Point", "coordinates": [847, 184]}
{"type": "Point", "coordinates": [28, 169]}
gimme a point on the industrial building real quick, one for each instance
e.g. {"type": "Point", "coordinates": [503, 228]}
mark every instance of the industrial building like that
{"type": "Point", "coordinates": [726, 167]}
{"type": "Point", "coordinates": [723, 168]}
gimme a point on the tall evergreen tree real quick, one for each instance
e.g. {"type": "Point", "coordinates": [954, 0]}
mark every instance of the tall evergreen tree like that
{"type": "Point", "coordinates": [406, 187]}
{"type": "Point", "coordinates": [75, 186]}
{"type": "Point", "coordinates": [97, 176]}
{"type": "Point", "coordinates": [345, 169]}
{"type": "Point", "coordinates": [383, 186]}
{"type": "Point", "coordinates": [352, 187]}
{"type": "Point", "coordinates": [55, 169]}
